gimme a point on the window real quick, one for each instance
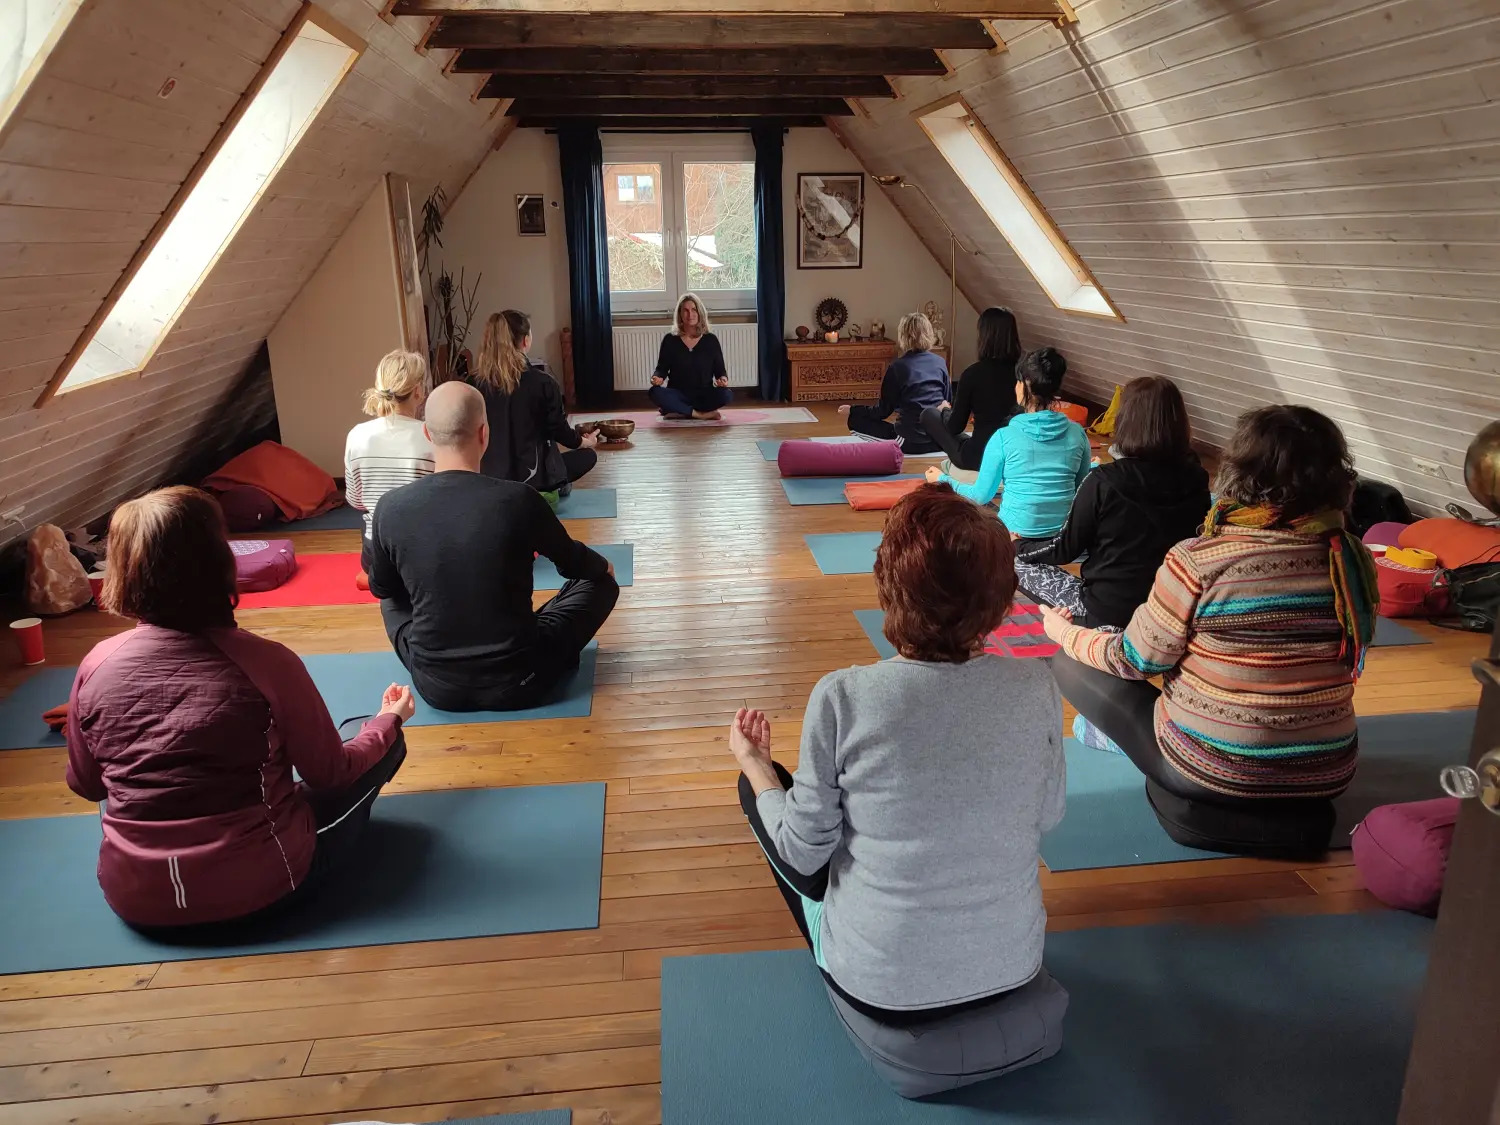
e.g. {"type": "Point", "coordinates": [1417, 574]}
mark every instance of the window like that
{"type": "Point", "coordinates": [307, 66]}
{"type": "Point", "coordinates": [698, 235]}
{"type": "Point", "coordinates": [1015, 211]}
{"type": "Point", "coordinates": [29, 29]}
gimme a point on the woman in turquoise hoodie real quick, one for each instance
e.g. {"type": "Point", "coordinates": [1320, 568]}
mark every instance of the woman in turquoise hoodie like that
{"type": "Point", "coordinates": [1040, 459]}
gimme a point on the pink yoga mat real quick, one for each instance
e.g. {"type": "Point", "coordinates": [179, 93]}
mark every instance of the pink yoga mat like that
{"type": "Point", "coordinates": [1022, 634]}
{"type": "Point", "coordinates": [651, 420]}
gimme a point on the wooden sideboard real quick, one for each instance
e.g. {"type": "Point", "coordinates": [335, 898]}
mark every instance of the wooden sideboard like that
{"type": "Point", "coordinates": [850, 369]}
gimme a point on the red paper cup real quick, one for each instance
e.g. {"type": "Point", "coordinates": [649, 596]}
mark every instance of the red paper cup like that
{"type": "Point", "coordinates": [28, 634]}
{"type": "Point", "coordinates": [96, 583]}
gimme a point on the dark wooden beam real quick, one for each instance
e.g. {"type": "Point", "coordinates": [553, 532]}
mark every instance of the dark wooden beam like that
{"type": "Point", "coordinates": [642, 86]}
{"type": "Point", "coordinates": [609, 60]}
{"type": "Point", "coordinates": [972, 9]}
{"type": "Point", "coordinates": [671, 124]}
{"type": "Point", "coordinates": [680, 107]}
{"type": "Point", "coordinates": [711, 32]}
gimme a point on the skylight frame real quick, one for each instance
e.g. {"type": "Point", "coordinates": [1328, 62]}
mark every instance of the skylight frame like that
{"type": "Point", "coordinates": [10, 106]}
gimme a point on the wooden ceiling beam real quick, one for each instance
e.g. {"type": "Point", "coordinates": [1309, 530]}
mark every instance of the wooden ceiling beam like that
{"type": "Point", "coordinates": [802, 61]}
{"type": "Point", "coordinates": [676, 86]}
{"type": "Point", "coordinates": [972, 9]}
{"type": "Point", "coordinates": [711, 32]}
{"type": "Point", "coordinates": [672, 124]}
{"type": "Point", "coordinates": [680, 107]}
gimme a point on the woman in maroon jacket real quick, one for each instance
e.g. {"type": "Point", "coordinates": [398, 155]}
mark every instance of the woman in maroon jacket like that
{"type": "Point", "coordinates": [189, 728]}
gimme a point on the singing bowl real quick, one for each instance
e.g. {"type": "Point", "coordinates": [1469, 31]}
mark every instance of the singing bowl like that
{"type": "Point", "coordinates": [616, 429]}
{"type": "Point", "coordinates": [1482, 467]}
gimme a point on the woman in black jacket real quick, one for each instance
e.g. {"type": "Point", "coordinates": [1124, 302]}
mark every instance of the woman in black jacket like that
{"type": "Point", "coordinates": [523, 403]}
{"type": "Point", "coordinates": [986, 392]}
{"type": "Point", "coordinates": [1126, 515]}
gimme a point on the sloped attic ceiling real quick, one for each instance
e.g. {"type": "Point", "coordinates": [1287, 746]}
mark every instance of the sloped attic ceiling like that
{"type": "Point", "coordinates": [91, 160]}
{"type": "Point", "coordinates": [1287, 201]}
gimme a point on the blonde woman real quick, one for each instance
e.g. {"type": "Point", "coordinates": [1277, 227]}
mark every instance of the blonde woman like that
{"type": "Point", "coordinates": [523, 403]}
{"type": "Point", "coordinates": [690, 379]}
{"type": "Point", "coordinates": [916, 380]}
{"type": "Point", "coordinates": [391, 449]}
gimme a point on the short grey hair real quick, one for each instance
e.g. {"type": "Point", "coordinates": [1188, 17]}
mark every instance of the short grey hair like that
{"type": "Point", "coordinates": [915, 333]}
{"type": "Point", "coordinates": [455, 411]}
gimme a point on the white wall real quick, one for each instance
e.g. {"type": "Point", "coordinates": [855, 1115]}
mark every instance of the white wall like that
{"type": "Point", "coordinates": [899, 274]}
{"type": "Point", "coordinates": [325, 347]}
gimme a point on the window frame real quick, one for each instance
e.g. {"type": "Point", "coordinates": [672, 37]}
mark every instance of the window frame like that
{"type": "Point", "coordinates": [671, 151]}
{"type": "Point", "coordinates": [308, 14]}
{"type": "Point", "coordinates": [1028, 199]}
{"type": "Point", "coordinates": [10, 107]}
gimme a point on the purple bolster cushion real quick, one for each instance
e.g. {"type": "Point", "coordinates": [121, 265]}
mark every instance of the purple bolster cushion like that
{"type": "Point", "coordinates": [247, 508]}
{"type": "Point", "coordinates": [262, 564]}
{"type": "Point", "coordinates": [843, 459]}
{"type": "Point", "coordinates": [1402, 852]}
{"type": "Point", "coordinates": [1384, 534]}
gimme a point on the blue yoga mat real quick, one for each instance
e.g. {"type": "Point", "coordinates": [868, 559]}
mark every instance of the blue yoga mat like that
{"type": "Point", "coordinates": [829, 490]}
{"type": "Point", "coordinates": [545, 576]}
{"type": "Point", "coordinates": [589, 504]}
{"type": "Point", "coordinates": [1392, 634]}
{"type": "Point", "coordinates": [542, 1117]}
{"type": "Point", "coordinates": [1109, 822]}
{"type": "Point", "coordinates": [456, 864]}
{"type": "Point", "coordinates": [844, 552]}
{"type": "Point", "coordinates": [342, 518]}
{"type": "Point", "coordinates": [770, 448]}
{"type": "Point", "coordinates": [350, 683]}
{"type": "Point", "coordinates": [1290, 1020]}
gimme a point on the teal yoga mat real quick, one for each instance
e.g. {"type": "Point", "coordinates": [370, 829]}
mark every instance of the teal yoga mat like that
{"type": "Point", "coordinates": [844, 552]}
{"type": "Point", "coordinates": [589, 504]}
{"type": "Point", "coordinates": [1110, 824]}
{"type": "Point", "coordinates": [342, 518]}
{"type": "Point", "coordinates": [830, 490]}
{"type": "Point", "coordinates": [1289, 1020]}
{"type": "Point", "coordinates": [1393, 634]}
{"type": "Point", "coordinates": [545, 576]}
{"type": "Point", "coordinates": [542, 1117]}
{"type": "Point", "coordinates": [457, 864]}
{"type": "Point", "coordinates": [350, 683]}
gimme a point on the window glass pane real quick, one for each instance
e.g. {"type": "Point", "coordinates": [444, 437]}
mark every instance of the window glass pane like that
{"type": "Point", "coordinates": [28, 30]}
{"type": "Point", "coordinates": [719, 217]}
{"type": "Point", "coordinates": [645, 187]}
{"type": "Point", "coordinates": [633, 223]}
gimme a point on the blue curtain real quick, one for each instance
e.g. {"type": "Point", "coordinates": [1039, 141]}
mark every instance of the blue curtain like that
{"type": "Point", "coordinates": [770, 261]}
{"type": "Point", "coordinates": [582, 158]}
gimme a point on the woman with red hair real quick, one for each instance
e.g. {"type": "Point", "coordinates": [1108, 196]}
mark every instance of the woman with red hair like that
{"type": "Point", "coordinates": [906, 842]}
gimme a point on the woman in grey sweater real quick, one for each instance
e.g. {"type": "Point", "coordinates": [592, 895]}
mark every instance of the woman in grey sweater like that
{"type": "Point", "coordinates": [906, 842]}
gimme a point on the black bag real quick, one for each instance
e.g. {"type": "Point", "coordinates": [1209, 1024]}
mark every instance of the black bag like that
{"type": "Point", "coordinates": [1376, 502]}
{"type": "Point", "coordinates": [1474, 595]}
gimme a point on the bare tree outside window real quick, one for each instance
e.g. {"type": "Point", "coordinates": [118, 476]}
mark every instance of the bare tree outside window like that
{"type": "Point", "coordinates": [719, 201]}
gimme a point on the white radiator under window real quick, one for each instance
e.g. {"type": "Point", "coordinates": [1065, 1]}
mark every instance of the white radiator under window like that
{"type": "Point", "coordinates": [637, 345]}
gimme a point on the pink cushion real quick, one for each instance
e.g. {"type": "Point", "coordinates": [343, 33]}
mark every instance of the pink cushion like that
{"type": "Point", "coordinates": [843, 459]}
{"type": "Point", "coordinates": [262, 564]}
{"type": "Point", "coordinates": [1402, 852]}
{"type": "Point", "coordinates": [1384, 535]}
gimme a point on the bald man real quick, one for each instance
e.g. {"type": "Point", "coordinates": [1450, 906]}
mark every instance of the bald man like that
{"type": "Point", "coordinates": [451, 560]}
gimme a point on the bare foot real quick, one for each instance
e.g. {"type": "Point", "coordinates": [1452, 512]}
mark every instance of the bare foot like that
{"type": "Point", "coordinates": [706, 415]}
{"type": "Point", "coordinates": [677, 417]}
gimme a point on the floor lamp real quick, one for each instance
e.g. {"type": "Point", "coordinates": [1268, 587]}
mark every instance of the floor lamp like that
{"type": "Point", "coordinates": [954, 242]}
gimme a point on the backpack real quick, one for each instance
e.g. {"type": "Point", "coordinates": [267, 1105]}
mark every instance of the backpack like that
{"type": "Point", "coordinates": [1376, 502]}
{"type": "Point", "coordinates": [1474, 595]}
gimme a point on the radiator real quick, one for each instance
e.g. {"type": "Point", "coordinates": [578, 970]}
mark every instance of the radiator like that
{"type": "Point", "coordinates": [636, 347]}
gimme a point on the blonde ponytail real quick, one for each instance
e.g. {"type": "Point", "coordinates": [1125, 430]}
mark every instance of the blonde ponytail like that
{"type": "Point", "coordinates": [398, 376]}
{"type": "Point", "coordinates": [501, 359]}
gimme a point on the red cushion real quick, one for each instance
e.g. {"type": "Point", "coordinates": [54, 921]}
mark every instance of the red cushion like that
{"type": "Point", "coordinates": [1407, 592]}
{"type": "Point", "coordinates": [1076, 411]}
{"type": "Point", "coordinates": [838, 459]}
{"type": "Point", "coordinates": [262, 564]}
{"type": "Point", "coordinates": [879, 495]}
{"type": "Point", "coordinates": [1402, 852]}
{"type": "Point", "coordinates": [1455, 542]}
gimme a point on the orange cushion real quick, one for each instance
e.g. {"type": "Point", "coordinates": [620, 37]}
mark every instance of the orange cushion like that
{"type": "Point", "coordinates": [1073, 410]}
{"type": "Point", "coordinates": [1454, 542]}
{"type": "Point", "coordinates": [878, 495]}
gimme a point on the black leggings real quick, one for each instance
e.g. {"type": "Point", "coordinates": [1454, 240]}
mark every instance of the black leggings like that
{"type": "Point", "coordinates": [577, 462]}
{"type": "Point", "coordinates": [867, 420]}
{"type": "Point", "coordinates": [964, 452]}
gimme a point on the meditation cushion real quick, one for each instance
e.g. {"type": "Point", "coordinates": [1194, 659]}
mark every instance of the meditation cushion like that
{"type": "Point", "coordinates": [879, 495]}
{"type": "Point", "coordinates": [843, 459]}
{"type": "Point", "coordinates": [1073, 410]}
{"type": "Point", "coordinates": [1455, 542]}
{"type": "Point", "coordinates": [1293, 828]}
{"type": "Point", "coordinates": [1407, 591]}
{"type": "Point", "coordinates": [1402, 852]}
{"type": "Point", "coordinates": [1384, 535]}
{"type": "Point", "coordinates": [262, 564]}
{"type": "Point", "coordinates": [299, 488]}
{"type": "Point", "coordinates": [247, 508]}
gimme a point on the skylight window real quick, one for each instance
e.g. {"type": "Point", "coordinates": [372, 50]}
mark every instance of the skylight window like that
{"type": "Point", "coordinates": [1015, 211]}
{"type": "Point", "coordinates": [29, 29]}
{"type": "Point", "coordinates": [306, 68]}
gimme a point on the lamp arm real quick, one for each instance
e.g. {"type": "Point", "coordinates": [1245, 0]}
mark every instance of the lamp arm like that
{"type": "Point", "coordinates": [951, 234]}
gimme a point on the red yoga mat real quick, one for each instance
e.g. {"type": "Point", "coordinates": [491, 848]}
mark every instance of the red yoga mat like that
{"type": "Point", "coordinates": [320, 580]}
{"type": "Point", "coordinates": [1022, 634]}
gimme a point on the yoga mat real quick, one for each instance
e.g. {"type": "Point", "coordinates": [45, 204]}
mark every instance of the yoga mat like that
{"type": "Point", "coordinates": [770, 447]}
{"type": "Point", "coordinates": [844, 552]}
{"type": "Point", "coordinates": [731, 416]}
{"type": "Point", "coordinates": [1390, 633]}
{"type": "Point", "coordinates": [1020, 636]}
{"type": "Point", "coordinates": [589, 504]}
{"type": "Point", "coordinates": [830, 490]}
{"type": "Point", "coordinates": [435, 866]}
{"type": "Point", "coordinates": [350, 683]}
{"type": "Point", "coordinates": [545, 576]}
{"type": "Point", "coordinates": [583, 504]}
{"type": "Point", "coordinates": [1296, 1020]}
{"type": "Point", "coordinates": [1109, 822]}
{"type": "Point", "coordinates": [541, 1117]}
{"type": "Point", "coordinates": [342, 518]}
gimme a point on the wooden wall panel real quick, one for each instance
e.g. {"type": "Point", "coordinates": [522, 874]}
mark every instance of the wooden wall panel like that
{"type": "Point", "coordinates": [95, 158]}
{"type": "Point", "coordinates": [1288, 201]}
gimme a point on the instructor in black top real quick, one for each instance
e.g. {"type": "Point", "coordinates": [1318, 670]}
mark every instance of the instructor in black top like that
{"type": "Point", "coordinates": [451, 559]}
{"type": "Point", "coordinates": [690, 380]}
{"type": "Point", "coordinates": [986, 392]}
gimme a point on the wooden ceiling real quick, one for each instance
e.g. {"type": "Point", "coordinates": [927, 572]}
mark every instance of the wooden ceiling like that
{"type": "Point", "coordinates": [679, 64]}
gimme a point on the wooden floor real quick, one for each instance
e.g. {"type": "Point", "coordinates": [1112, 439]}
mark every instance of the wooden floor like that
{"type": "Point", "coordinates": [727, 610]}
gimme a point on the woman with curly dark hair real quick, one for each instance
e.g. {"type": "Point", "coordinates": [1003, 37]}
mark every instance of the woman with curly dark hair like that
{"type": "Point", "coordinates": [1258, 629]}
{"type": "Point", "coordinates": [906, 843]}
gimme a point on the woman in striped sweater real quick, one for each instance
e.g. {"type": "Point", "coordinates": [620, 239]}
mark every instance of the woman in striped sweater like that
{"type": "Point", "coordinates": [1258, 629]}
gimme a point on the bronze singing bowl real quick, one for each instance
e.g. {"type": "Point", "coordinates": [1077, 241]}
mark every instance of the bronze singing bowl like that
{"type": "Point", "coordinates": [1482, 467]}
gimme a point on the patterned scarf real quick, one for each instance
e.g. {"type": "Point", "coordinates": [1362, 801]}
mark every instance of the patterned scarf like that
{"type": "Point", "coordinates": [1350, 567]}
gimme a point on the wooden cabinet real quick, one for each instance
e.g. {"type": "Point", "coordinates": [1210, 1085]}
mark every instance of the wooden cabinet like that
{"type": "Point", "coordinates": [846, 371]}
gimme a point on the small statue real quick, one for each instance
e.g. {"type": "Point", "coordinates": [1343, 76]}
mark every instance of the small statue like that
{"type": "Point", "coordinates": [856, 332]}
{"type": "Point", "coordinates": [803, 332]}
{"type": "Point", "coordinates": [877, 330]}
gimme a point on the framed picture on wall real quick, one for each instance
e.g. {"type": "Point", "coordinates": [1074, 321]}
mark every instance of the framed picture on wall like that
{"type": "Point", "coordinates": [531, 215]}
{"type": "Point", "coordinates": [403, 232]}
{"type": "Point", "coordinates": [830, 220]}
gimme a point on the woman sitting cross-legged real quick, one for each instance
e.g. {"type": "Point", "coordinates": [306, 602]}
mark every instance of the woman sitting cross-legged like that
{"type": "Point", "coordinates": [1126, 513]}
{"type": "Point", "coordinates": [391, 449]}
{"type": "Point", "coordinates": [188, 728]}
{"type": "Point", "coordinates": [915, 380]}
{"type": "Point", "coordinates": [985, 392]}
{"type": "Point", "coordinates": [523, 404]}
{"type": "Point", "coordinates": [690, 380]}
{"type": "Point", "coordinates": [1040, 458]}
{"type": "Point", "coordinates": [1258, 629]}
{"type": "Point", "coordinates": [906, 842]}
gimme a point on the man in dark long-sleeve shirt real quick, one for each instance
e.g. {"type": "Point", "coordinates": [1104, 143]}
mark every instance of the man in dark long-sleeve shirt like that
{"type": "Point", "coordinates": [451, 559]}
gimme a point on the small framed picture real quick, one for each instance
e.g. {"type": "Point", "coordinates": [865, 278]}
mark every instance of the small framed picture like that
{"type": "Point", "coordinates": [531, 215]}
{"type": "Point", "coordinates": [830, 220]}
